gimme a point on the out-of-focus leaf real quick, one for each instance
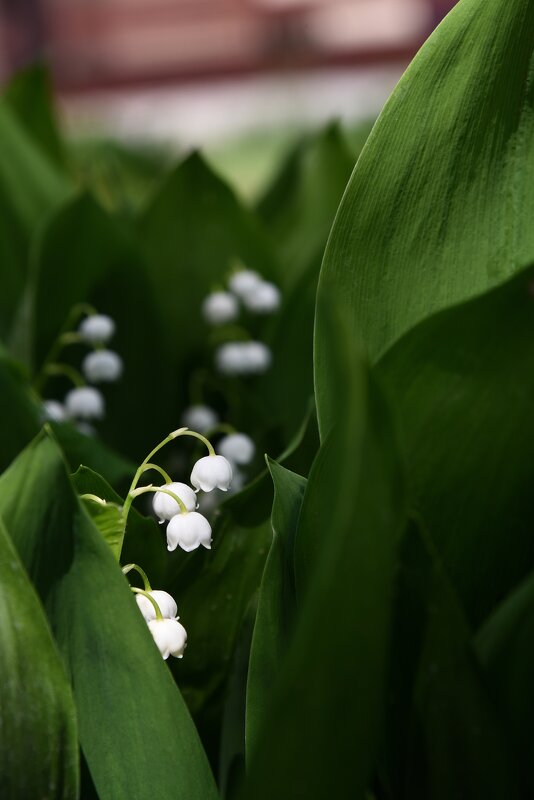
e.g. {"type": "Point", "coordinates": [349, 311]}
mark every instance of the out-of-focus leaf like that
{"type": "Point", "coordinates": [444, 735]}
{"type": "Point", "coordinates": [504, 645]}
{"type": "Point", "coordinates": [93, 453]}
{"type": "Point", "coordinates": [298, 208]}
{"type": "Point", "coordinates": [276, 605]}
{"type": "Point", "coordinates": [135, 732]}
{"type": "Point", "coordinates": [463, 383]}
{"type": "Point", "coordinates": [440, 205]}
{"type": "Point", "coordinates": [19, 415]}
{"type": "Point", "coordinates": [29, 96]}
{"type": "Point", "coordinates": [321, 735]}
{"type": "Point", "coordinates": [38, 741]}
{"type": "Point", "coordinates": [14, 249]}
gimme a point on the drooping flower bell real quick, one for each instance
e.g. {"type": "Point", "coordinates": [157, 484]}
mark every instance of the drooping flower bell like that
{"type": "Point", "coordinates": [96, 329]}
{"type": "Point", "coordinates": [188, 530]}
{"type": "Point", "coordinates": [220, 308]}
{"type": "Point", "coordinates": [212, 472]}
{"type": "Point", "coordinates": [84, 402]}
{"type": "Point", "coordinates": [243, 358]}
{"type": "Point", "coordinates": [244, 281]}
{"type": "Point", "coordinates": [165, 507]}
{"type": "Point", "coordinates": [263, 299]}
{"type": "Point", "coordinates": [169, 635]}
{"type": "Point", "coordinates": [53, 411]}
{"type": "Point", "coordinates": [200, 418]}
{"type": "Point", "coordinates": [167, 605]}
{"type": "Point", "coordinates": [102, 366]}
{"type": "Point", "coordinates": [238, 448]}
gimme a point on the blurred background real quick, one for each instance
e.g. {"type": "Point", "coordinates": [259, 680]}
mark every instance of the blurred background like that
{"type": "Point", "coordinates": [236, 77]}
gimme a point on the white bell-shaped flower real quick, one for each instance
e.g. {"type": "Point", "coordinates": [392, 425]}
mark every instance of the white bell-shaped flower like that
{"type": "Point", "coordinates": [220, 308]}
{"type": "Point", "coordinates": [102, 366]}
{"type": "Point", "coordinates": [84, 402]}
{"type": "Point", "coordinates": [167, 605]}
{"type": "Point", "coordinates": [53, 411]}
{"type": "Point", "coordinates": [200, 418]}
{"type": "Point", "coordinates": [212, 472]}
{"type": "Point", "coordinates": [97, 329]}
{"type": "Point", "coordinates": [229, 358]}
{"type": "Point", "coordinates": [264, 299]}
{"type": "Point", "coordinates": [238, 448]}
{"type": "Point", "coordinates": [257, 358]}
{"type": "Point", "coordinates": [165, 507]}
{"type": "Point", "coordinates": [244, 281]}
{"type": "Point", "coordinates": [170, 636]}
{"type": "Point", "coordinates": [188, 531]}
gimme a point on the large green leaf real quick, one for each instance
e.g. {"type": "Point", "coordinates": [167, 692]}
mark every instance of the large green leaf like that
{"type": "Point", "coordinates": [92, 452]}
{"type": "Point", "coordinates": [276, 605]}
{"type": "Point", "coordinates": [38, 741]}
{"type": "Point", "coordinates": [299, 207]}
{"type": "Point", "coordinates": [14, 249]}
{"type": "Point", "coordinates": [463, 383]}
{"type": "Point", "coordinates": [135, 732]}
{"type": "Point", "coordinates": [321, 734]}
{"type": "Point", "coordinates": [443, 732]}
{"type": "Point", "coordinates": [440, 204]}
{"type": "Point", "coordinates": [19, 416]}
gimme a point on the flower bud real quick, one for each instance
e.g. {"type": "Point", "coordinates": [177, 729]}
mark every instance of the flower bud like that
{"type": "Point", "coordinates": [212, 472]}
{"type": "Point", "coordinates": [102, 366]}
{"type": "Point", "coordinates": [188, 531]}
{"type": "Point", "coordinates": [219, 308]}
{"type": "Point", "coordinates": [84, 402]}
{"type": "Point", "coordinates": [238, 448]}
{"type": "Point", "coordinates": [200, 418]}
{"type": "Point", "coordinates": [169, 635]}
{"type": "Point", "coordinates": [244, 282]}
{"type": "Point", "coordinates": [264, 299]}
{"type": "Point", "coordinates": [53, 411]}
{"type": "Point", "coordinates": [167, 605]}
{"type": "Point", "coordinates": [97, 329]}
{"type": "Point", "coordinates": [165, 507]}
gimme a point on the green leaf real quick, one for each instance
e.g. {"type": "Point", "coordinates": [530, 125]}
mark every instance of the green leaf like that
{"type": "Point", "coordinates": [92, 452]}
{"type": "Point", "coordinates": [19, 413]}
{"type": "Point", "coordinates": [276, 605]}
{"type": "Point", "coordinates": [38, 741]}
{"type": "Point", "coordinates": [504, 645]}
{"type": "Point", "coordinates": [440, 205]}
{"type": "Point", "coordinates": [29, 96]}
{"type": "Point", "coordinates": [444, 735]}
{"type": "Point", "coordinates": [463, 385]}
{"type": "Point", "coordinates": [298, 208]}
{"type": "Point", "coordinates": [135, 732]}
{"type": "Point", "coordinates": [322, 732]}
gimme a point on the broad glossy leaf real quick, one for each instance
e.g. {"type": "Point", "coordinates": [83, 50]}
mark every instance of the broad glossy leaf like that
{"type": "Point", "coordinates": [299, 207]}
{"type": "Point", "coordinates": [135, 732]}
{"type": "Point", "coordinates": [504, 645]}
{"type": "Point", "coordinates": [444, 734]}
{"type": "Point", "coordinates": [440, 204]}
{"type": "Point", "coordinates": [321, 735]}
{"type": "Point", "coordinates": [38, 741]}
{"type": "Point", "coordinates": [463, 384]}
{"type": "Point", "coordinates": [276, 604]}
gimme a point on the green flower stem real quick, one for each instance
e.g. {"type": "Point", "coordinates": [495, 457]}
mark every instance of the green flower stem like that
{"type": "Point", "coordinates": [66, 336]}
{"type": "Point", "coordinates": [63, 369]}
{"type": "Point", "coordinates": [161, 471]}
{"type": "Point", "coordinates": [223, 427]}
{"type": "Point", "coordinates": [129, 567]}
{"type": "Point", "coordinates": [156, 490]}
{"type": "Point", "coordinates": [228, 333]}
{"type": "Point", "coordinates": [187, 432]}
{"type": "Point", "coordinates": [157, 609]}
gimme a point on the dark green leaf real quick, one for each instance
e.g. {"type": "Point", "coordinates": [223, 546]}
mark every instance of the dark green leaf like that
{"type": "Point", "coordinates": [38, 741]}
{"type": "Point", "coordinates": [19, 411]}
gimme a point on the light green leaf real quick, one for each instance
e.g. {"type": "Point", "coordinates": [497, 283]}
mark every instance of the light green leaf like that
{"type": "Point", "coordinates": [38, 741]}
{"type": "Point", "coordinates": [440, 205]}
{"type": "Point", "coordinates": [135, 732]}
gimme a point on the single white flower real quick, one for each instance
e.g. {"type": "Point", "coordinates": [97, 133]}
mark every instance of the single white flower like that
{"type": "Point", "coordinates": [167, 605]}
{"type": "Point", "coordinates": [264, 299]}
{"type": "Point", "coordinates": [219, 308]}
{"type": "Point", "coordinates": [84, 402]}
{"type": "Point", "coordinates": [244, 282]}
{"type": "Point", "coordinates": [238, 448]}
{"type": "Point", "coordinates": [53, 411]}
{"type": "Point", "coordinates": [257, 358]}
{"type": "Point", "coordinates": [189, 531]}
{"type": "Point", "coordinates": [200, 418]}
{"type": "Point", "coordinates": [169, 635]}
{"type": "Point", "coordinates": [212, 472]}
{"type": "Point", "coordinates": [243, 358]}
{"type": "Point", "coordinates": [166, 507]}
{"type": "Point", "coordinates": [96, 329]}
{"type": "Point", "coordinates": [102, 366]}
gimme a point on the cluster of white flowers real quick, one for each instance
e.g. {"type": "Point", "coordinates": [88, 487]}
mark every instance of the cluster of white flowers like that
{"type": "Point", "coordinates": [248, 289]}
{"type": "Point", "coordinates": [83, 402]}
